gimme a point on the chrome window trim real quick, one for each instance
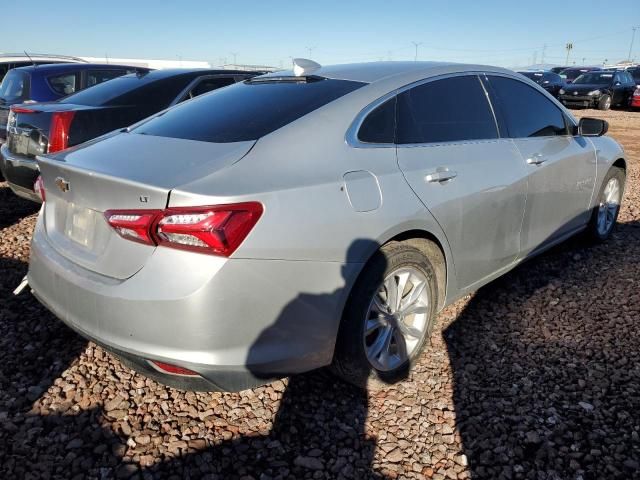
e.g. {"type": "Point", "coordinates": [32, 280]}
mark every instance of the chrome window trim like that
{"type": "Point", "coordinates": [351, 136]}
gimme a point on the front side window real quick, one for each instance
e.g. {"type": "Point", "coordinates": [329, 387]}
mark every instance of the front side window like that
{"type": "Point", "coordinates": [380, 124]}
{"type": "Point", "coordinates": [448, 110]}
{"type": "Point", "coordinates": [594, 78]}
{"type": "Point", "coordinates": [525, 111]}
{"type": "Point", "coordinates": [247, 110]}
{"type": "Point", "coordinates": [64, 84]}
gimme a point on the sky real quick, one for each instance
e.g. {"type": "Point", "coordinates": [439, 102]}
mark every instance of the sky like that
{"type": "Point", "coordinates": [271, 32]}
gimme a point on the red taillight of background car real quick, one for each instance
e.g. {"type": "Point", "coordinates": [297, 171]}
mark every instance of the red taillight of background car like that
{"type": "Point", "coordinates": [216, 230]}
{"type": "Point", "coordinates": [38, 187]}
{"type": "Point", "coordinates": [16, 109]}
{"type": "Point", "coordinates": [59, 131]}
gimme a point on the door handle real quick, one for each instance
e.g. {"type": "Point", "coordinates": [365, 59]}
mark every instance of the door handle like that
{"type": "Point", "coordinates": [536, 159]}
{"type": "Point", "coordinates": [441, 176]}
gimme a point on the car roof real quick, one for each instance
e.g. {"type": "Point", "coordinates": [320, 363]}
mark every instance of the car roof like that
{"type": "Point", "coordinates": [63, 67]}
{"type": "Point", "coordinates": [373, 72]}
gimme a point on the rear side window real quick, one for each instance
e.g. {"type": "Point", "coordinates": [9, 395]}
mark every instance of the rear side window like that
{"type": "Point", "coordinates": [247, 110]}
{"type": "Point", "coordinates": [453, 109]}
{"type": "Point", "coordinates": [14, 85]}
{"type": "Point", "coordinates": [380, 125]}
{"type": "Point", "coordinates": [525, 111]}
{"type": "Point", "coordinates": [94, 77]}
{"type": "Point", "coordinates": [64, 84]}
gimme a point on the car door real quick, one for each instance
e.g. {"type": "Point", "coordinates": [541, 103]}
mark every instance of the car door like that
{"type": "Point", "coordinates": [472, 181]}
{"type": "Point", "coordinates": [561, 167]}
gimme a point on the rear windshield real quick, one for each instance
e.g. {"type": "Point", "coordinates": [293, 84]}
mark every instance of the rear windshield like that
{"type": "Point", "coordinates": [246, 111]}
{"type": "Point", "coordinates": [133, 89]}
{"type": "Point", "coordinates": [14, 85]}
{"type": "Point", "coordinates": [535, 76]}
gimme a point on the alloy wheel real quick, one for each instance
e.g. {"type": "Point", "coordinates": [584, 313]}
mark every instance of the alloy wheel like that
{"type": "Point", "coordinates": [608, 207]}
{"type": "Point", "coordinates": [397, 319]}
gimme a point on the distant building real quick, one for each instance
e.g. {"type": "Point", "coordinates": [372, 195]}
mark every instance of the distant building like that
{"type": "Point", "coordinates": [251, 68]}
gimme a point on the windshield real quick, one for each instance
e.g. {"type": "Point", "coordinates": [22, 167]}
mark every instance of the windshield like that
{"type": "Point", "coordinates": [594, 78]}
{"type": "Point", "coordinates": [14, 85]}
{"type": "Point", "coordinates": [247, 110]}
{"type": "Point", "coordinates": [571, 74]}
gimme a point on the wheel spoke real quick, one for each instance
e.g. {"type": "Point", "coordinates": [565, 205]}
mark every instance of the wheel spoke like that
{"type": "Point", "coordinates": [415, 310]}
{"type": "Point", "coordinates": [401, 344]}
{"type": "Point", "coordinates": [372, 325]}
{"type": "Point", "coordinates": [382, 342]}
{"type": "Point", "coordinates": [413, 296]}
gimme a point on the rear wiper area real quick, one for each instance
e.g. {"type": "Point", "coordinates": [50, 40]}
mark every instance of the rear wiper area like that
{"type": "Point", "coordinates": [284, 79]}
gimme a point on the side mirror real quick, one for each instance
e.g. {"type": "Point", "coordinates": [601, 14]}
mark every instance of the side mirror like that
{"type": "Point", "coordinates": [592, 127]}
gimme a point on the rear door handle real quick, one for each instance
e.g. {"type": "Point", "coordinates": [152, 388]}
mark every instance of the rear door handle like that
{"type": "Point", "coordinates": [536, 159]}
{"type": "Point", "coordinates": [441, 176]}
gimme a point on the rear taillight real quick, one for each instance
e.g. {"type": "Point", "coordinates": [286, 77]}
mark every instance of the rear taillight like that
{"type": "Point", "coordinates": [637, 92]}
{"type": "Point", "coordinates": [173, 369]}
{"type": "Point", "coordinates": [59, 130]}
{"type": "Point", "coordinates": [38, 187]}
{"type": "Point", "coordinates": [134, 225]}
{"type": "Point", "coordinates": [16, 109]}
{"type": "Point", "coordinates": [216, 230]}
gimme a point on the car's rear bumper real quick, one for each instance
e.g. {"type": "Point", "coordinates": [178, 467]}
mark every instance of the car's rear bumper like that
{"type": "Point", "coordinates": [237, 323]}
{"type": "Point", "coordinates": [20, 172]}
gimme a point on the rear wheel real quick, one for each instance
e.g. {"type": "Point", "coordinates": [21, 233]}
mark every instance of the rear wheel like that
{"type": "Point", "coordinates": [604, 103]}
{"type": "Point", "coordinates": [605, 215]}
{"type": "Point", "coordinates": [388, 318]}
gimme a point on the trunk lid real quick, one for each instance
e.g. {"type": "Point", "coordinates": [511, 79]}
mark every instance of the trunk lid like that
{"type": "Point", "coordinates": [121, 172]}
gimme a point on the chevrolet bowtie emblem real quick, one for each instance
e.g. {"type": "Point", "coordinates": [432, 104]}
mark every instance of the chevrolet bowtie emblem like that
{"type": "Point", "coordinates": [62, 184]}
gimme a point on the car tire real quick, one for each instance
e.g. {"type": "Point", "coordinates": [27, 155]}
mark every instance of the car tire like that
{"type": "Point", "coordinates": [354, 357]}
{"type": "Point", "coordinates": [605, 213]}
{"type": "Point", "coordinates": [604, 103]}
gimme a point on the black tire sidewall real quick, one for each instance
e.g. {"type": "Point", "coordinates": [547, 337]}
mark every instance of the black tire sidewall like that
{"type": "Point", "coordinates": [350, 359]}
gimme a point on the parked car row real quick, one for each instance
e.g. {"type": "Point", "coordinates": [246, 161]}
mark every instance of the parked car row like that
{"type": "Point", "coordinates": [41, 128]}
{"type": "Point", "coordinates": [298, 219]}
{"type": "Point", "coordinates": [590, 87]}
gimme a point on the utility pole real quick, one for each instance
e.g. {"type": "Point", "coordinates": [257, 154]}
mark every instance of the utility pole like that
{"type": "Point", "coordinates": [544, 51]}
{"type": "Point", "coordinates": [633, 36]}
{"type": "Point", "coordinates": [569, 47]}
{"type": "Point", "coordinates": [535, 57]}
{"type": "Point", "coordinates": [416, 44]}
{"type": "Point", "coordinates": [606, 60]}
{"type": "Point", "coordinates": [310, 50]}
{"type": "Point", "coordinates": [583, 59]}
{"type": "Point", "coordinates": [235, 57]}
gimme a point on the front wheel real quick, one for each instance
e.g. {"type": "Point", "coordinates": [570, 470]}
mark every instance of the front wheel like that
{"type": "Point", "coordinates": [604, 103]}
{"type": "Point", "coordinates": [605, 214]}
{"type": "Point", "coordinates": [388, 317]}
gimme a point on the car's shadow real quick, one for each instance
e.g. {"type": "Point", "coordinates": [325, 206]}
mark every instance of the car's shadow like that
{"type": "Point", "coordinates": [14, 208]}
{"type": "Point", "coordinates": [546, 364]}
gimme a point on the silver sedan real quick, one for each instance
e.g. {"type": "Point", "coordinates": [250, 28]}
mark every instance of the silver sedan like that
{"type": "Point", "coordinates": [314, 217]}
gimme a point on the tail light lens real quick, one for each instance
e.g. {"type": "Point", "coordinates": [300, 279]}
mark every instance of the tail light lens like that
{"type": "Point", "coordinates": [134, 225]}
{"type": "Point", "coordinates": [216, 230]}
{"type": "Point", "coordinates": [38, 187]}
{"type": "Point", "coordinates": [59, 131]}
{"type": "Point", "coordinates": [637, 92]}
{"type": "Point", "coordinates": [15, 109]}
{"type": "Point", "coordinates": [173, 369]}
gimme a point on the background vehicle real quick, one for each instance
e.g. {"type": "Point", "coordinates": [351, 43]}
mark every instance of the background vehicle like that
{"type": "Point", "coordinates": [635, 99]}
{"type": "Point", "coordinates": [599, 90]}
{"type": "Point", "coordinates": [341, 198]}
{"type": "Point", "coordinates": [551, 82]}
{"type": "Point", "coordinates": [10, 61]}
{"type": "Point", "coordinates": [35, 129]}
{"type": "Point", "coordinates": [51, 82]}
{"type": "Point", "coordinates": [570, 74]}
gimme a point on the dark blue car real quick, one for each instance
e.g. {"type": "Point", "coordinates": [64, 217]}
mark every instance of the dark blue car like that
{"type": "Point", "coordinates": [45, 83]}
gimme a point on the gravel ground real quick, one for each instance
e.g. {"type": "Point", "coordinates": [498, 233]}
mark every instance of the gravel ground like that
{"type": "Point", "coordinates": [535, 376]}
